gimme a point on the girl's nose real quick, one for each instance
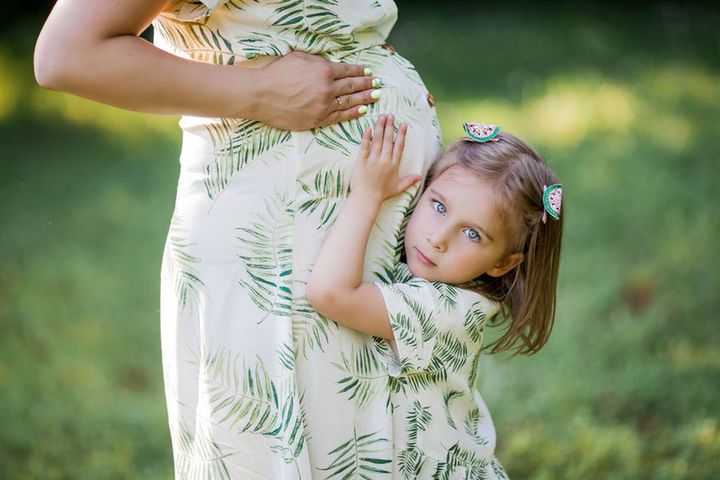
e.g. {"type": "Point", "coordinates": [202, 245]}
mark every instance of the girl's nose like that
{"type": "Point", "coordinates": [436, 239]}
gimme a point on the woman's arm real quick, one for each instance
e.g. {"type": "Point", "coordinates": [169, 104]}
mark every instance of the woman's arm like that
{"type": "Point", "coordinates": [335, 288]}
{"type": "Point", "coordinates": [92, 48]}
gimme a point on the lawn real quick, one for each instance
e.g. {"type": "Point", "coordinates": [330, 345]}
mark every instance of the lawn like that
{"type": "Point", "coordinates": [623, 101]}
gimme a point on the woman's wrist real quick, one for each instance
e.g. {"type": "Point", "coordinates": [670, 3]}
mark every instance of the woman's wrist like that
{"type": "Point", "coordinates": [248, 94]}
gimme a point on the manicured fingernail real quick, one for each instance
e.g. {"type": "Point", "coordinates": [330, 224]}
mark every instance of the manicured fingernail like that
{"type": "Point", "coordinates": [376, 82]}
{"type": "Point", "coordinates": [362, 110]}
{"type": "Point", "coordinates": [368, 72]}
{"type": "Point", "coordinates": [375, 94]}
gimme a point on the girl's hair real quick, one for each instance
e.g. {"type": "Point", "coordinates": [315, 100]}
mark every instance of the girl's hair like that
{"type": "Point", "coordinates": [527, 293]}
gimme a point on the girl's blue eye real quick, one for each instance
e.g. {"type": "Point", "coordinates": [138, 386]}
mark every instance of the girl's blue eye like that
{"type": "Point", "coordinates": [439, 207]}
{"type": "Point", "coordinates": [472, 235]}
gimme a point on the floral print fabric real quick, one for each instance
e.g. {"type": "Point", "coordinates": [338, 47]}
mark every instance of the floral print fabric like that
{"type": "Point", "coordinates": [442, 427]}
{"type": "Point", "coordinates": [258, 385]}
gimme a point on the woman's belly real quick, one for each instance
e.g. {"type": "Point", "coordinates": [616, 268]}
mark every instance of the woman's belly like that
{"type": "Point", "coordinates": [231, 168]}
{"type": "Point", "coordinates": [253, 207]}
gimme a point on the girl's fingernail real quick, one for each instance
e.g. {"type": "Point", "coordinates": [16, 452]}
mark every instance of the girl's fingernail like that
{"type": "Point", "coordinates": [376, 82]}
{"type": "Point", "coordinates": [362, 110]}
{"type": "Point", "coordinates": [368, 72]}
{"type": "Point", "coordinates": [375, 94]}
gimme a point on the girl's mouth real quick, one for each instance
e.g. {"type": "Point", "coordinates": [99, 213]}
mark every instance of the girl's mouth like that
{"type": "Point", "coordinates": [423, 258]}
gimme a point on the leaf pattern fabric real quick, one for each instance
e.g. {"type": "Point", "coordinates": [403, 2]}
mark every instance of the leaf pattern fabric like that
{"type": "Point", "coordinates": [442, 427]}
{"type": "Point", "coordinates": [230, 31]}
{"type": "Point", "coordinates": [258, 385]}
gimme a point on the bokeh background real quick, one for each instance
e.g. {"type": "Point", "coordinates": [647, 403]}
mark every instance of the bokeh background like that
{"type": "Point", "coordinates": [623, 99]}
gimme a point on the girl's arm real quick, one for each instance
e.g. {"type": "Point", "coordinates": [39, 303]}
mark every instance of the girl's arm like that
{"type": "Point", "coordinates": [92, 48]}
{"type": "Point", "coordinates": [335, 288]}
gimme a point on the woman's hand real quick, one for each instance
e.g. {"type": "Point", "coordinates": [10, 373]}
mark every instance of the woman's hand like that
{"type": "Point", "coordinates": [92, 48]}
{"type": "Point", "coordinates": [304, 91]}
{"type": "Point", "coordinates": [376, 173]}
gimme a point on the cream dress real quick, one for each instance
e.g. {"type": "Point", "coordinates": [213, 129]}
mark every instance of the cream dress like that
{"type": "Point", "coordinates": [442, 427]}
{"type": "Point", "coordinates": [258, 385]}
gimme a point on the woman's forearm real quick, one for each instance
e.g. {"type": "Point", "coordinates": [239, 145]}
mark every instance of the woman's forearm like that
{"type": "Point", "coordinates": [92, 48]}
{"type": "Point", "coordinates": [128, 72]}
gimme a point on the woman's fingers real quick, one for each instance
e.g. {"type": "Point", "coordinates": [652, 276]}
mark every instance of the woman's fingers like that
{"type": "Point", "coordinates": [348, 86]}
{"type": "Point", "coordinates": [352, 100]}
{"type": "Point", "coordinates": [360, 90]}
{"type": "Point", "coordinates": [345, 102]}
{"type": "Point", "coordinates": [344, 70]}
{"type": "Point", "coordinates": [339, 116]}
{"type": "Point", "coordinates": [309, 92]}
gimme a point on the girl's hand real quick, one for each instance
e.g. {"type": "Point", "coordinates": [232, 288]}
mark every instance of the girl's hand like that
{"type": "Point", "coordinates": [376, 173]}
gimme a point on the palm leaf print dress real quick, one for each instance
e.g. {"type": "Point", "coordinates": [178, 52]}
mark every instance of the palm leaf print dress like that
{"type": "Point", "coordinates": [258, 385]}
{"type": "Point", "coordinates": [442, 427]}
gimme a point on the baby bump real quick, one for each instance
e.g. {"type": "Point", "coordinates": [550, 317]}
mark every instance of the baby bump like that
{"type": "Point", "coordinates": [327, 156]}
{"type": "Point", "coordinates": [253, 207]}
{"type": "Point", "coordinates": [244, 183]}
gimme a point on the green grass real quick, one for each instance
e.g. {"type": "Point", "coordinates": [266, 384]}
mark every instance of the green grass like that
{"type": "Point", "coordinates": [79, 355]}
{"type": "Point", "coordinates": [623, 102]}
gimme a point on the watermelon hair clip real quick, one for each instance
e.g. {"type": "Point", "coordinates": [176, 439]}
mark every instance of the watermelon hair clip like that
{"type": "Point", "coordinates": [481, 132]}
{"type": "Point", "coordinates": [552, 201]}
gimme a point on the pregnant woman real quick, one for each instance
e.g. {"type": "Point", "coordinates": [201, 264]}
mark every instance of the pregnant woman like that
{"type": "Point", "coordinates": [275, 96]}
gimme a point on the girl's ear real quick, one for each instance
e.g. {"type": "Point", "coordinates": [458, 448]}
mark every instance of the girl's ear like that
{"type": "Point", "coordinates": [506, 264]}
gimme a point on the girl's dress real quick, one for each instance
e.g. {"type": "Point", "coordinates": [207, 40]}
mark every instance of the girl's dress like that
{"type": "Point", "coordinates": [442, 426]}
{"type": "Point", "coordinates": [258, 385]}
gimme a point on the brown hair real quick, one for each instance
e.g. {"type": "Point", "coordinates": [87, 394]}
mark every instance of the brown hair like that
{"type": "Point", "coordinates": [527, 293]}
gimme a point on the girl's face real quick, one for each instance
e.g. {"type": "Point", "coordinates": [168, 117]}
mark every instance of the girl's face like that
{"type": "Point", "coordinates": [454, 234]}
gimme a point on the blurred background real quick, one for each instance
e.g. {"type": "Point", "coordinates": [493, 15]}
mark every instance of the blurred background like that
{"type": "Point", "coordinates": [622, 99]}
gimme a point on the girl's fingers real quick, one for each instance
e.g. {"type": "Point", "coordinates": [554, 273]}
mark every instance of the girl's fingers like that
{"type": "Point", "coordinates": [388, 137]}
{"type": "Point", "coordinates": [407, 182]}
{"type": "Point", "coordinates": [339, 116]}
{"type": "Point", "coordinates": [399, 143]}
{"type": "Point", "coordinates": [378, 136]}
{"type": "Point", "coordinates": [365, 144]}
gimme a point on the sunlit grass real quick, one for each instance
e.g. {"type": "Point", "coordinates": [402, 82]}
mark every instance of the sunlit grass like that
{"type": "Point", "coordinates": [121, 123]}
{"type": "Point", "coordinates": [9, 86]}
{"type": "Point", "coordinates": [565, 110]}
{"type": "Point", "coordinates": [560, 111]}
{"type": "Point", "coordinates": [18, 90]}
{"type": "Point", "coordinates": [625, 389]}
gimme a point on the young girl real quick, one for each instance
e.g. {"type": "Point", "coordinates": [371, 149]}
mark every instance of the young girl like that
{"type": "Point", "coordinates": [483, 238]}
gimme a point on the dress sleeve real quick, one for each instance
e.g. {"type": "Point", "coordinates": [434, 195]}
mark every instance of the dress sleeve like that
{"type": "Point", "coordinates": [435, 326]}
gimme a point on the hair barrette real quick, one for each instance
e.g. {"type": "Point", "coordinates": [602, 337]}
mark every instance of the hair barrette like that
{"type": "Point", "coordinates": [552, 201]}
{"type": "Point", "coordinates": [481, 132]}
